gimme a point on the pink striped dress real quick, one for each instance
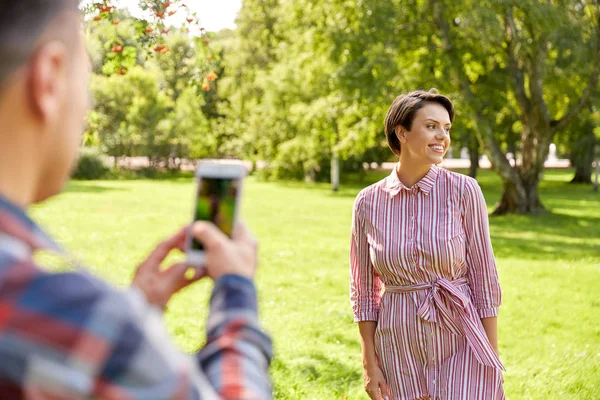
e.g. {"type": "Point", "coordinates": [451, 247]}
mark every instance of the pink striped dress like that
{"type": "Point", "coordinates": [422, 266]}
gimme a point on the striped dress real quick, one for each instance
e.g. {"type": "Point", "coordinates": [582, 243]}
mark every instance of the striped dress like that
{"type": "Point", "coordinates": [423, 267]}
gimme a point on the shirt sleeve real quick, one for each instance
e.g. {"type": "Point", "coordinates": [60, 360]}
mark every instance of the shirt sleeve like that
{"type": "Point", "coordinates": [237, 353]}
{"type": "Point", "coordinates": [481, 264]}
{"type": "Point", "coordinates": [365, 284]}
{"type": "Point", "coordinates": [233, 364]}
{"type": "Point", "coordinates": [90, 340]}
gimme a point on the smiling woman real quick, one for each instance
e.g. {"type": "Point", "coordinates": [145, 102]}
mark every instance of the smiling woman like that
{"type": "Point", "coordinates": [423, 233]}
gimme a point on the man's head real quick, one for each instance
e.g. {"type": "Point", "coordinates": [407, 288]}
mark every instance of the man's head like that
{"type": "Point", "coordinates": [44, 72]}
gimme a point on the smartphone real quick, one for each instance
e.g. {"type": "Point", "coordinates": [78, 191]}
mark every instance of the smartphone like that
{"type": "Point", "coordinates": [219, 187]}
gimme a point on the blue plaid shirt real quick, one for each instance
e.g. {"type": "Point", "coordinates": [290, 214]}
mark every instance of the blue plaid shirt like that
{"type": "Point", "coordinates": [71, 336]}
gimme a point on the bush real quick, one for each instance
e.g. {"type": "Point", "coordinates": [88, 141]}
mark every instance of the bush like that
{"type": "Point", "coordinates": [90, 166]}
{"type": "Point", "coordinates": [301, 158]}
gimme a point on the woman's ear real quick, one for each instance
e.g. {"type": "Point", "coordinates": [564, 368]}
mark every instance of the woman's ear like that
{"type": "Point", "coordinates": [401, 134]}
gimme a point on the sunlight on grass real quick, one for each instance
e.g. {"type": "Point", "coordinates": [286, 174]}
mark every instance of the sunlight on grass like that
{"type": "Point", "coordinates": [549, 269]}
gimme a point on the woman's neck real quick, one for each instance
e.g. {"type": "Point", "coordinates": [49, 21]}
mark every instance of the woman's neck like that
{"type": "Point", "coordinates": [409, 174]}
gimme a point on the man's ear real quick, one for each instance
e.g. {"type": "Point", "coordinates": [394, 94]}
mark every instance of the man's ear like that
{"type": "Point", "coordinates": [401, 134]}
{"type": "Point", "coordinates": [47, 83]}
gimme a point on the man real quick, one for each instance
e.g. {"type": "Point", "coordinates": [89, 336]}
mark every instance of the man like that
{"type": "Point", "coordinates": [69, 335]}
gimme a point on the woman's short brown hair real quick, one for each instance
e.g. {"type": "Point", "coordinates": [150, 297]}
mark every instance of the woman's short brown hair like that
{"type": "Point", "coordinates": [404, 108]}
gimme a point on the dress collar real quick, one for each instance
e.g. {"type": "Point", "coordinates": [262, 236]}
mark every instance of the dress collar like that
{"type": "Point", "coordinates": [393, 185]}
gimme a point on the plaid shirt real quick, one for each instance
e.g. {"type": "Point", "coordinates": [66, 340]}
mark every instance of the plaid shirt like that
{"type": "Point", "coordinates": [71, 336]}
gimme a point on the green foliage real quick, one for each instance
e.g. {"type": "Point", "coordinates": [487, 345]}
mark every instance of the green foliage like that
{"type": "Point", "coordinates": [90, 166]}
{"type": "Point", "coordinates": [162, 107]}
{"type": "Point", "coordinates": [312, 80]}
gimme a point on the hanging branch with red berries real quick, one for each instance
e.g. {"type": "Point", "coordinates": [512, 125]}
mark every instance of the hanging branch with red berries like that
{"type": "Point", "coordinates": [156, 30]}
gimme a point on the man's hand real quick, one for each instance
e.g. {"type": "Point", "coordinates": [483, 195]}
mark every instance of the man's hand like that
{"type": "Point", "coordinates": [159, 285]}
{"type": "Point", "coordinates": [223, 256]}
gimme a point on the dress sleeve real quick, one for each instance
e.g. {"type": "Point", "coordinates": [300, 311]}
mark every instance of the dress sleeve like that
{"type": "Point", "coordinates": [481, 264]}
{"type": "Point", "coordinates": [365, 285]}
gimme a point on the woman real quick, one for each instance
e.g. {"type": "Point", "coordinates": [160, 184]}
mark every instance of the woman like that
{"type": "Point", "coordinates": [422, 234]}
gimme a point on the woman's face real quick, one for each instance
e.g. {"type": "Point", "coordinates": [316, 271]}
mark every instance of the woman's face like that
{"type": "Point", "coordinates": [429, 137]}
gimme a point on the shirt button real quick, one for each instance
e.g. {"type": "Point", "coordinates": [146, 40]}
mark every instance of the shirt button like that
{"type": "Point", "coordinates": [432, 358]}
{"type": "Point", "coordinates": [433, 381]}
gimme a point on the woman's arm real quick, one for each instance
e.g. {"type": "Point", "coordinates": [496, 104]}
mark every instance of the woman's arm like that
{"type": "Point", "coordinates": [365, 294]}
{"type": "Point", "coordinates": [491, 329]}
{"type": "Point", "coordinates": [367, 341]}
{"type": "Point", "coordinates": [374, 380]}
{"type": "Point", "coordinates": [481, 264]}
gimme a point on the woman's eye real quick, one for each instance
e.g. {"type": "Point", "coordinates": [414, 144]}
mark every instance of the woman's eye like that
{"type": "Point", "coordinates": [430, 126]}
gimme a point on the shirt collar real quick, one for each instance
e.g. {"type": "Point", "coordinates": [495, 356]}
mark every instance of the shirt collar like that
{"type": "Point", "coordinates": [393, 185]}
{"type": "Point", "coordinates": [16, 223]}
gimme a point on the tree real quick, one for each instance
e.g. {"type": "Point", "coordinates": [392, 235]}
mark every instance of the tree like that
{"type": "Point", "coordinates": [129, 115]}
{"type": "Point", "coordinates": [533, 52]}
{"type": "Point", "coordinates": [151, 83]}
{"type": "Point", "coordinates": [582, 138]}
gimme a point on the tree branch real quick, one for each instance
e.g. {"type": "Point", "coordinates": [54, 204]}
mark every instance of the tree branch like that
{"type": "Point", "coordinates": [482, 126]}
{"type": "Point", "coordinates": [537, 59]}
{"type": "Point", "coordinates": [516, 71]}
{"type": "Point", "coordinates": [591, 87]}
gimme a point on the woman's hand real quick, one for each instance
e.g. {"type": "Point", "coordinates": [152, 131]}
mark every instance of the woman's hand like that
{"type": "Point", "coordinates": [375, 384]}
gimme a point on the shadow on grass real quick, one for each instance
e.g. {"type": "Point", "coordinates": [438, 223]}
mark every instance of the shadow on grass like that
{"type": "Point", "coordinates": [506, 247]}
{"type": "Point", "coordinates": [558, 224]}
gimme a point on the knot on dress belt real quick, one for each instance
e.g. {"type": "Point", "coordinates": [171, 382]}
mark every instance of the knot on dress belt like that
{"type": "Point", "coordinates": [446, 305]}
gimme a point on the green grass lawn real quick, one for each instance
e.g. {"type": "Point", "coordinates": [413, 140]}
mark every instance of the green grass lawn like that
{"type": "Point", "coordinates": [549, 270]}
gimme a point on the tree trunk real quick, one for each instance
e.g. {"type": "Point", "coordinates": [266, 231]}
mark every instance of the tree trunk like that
{"type": "Point", "coordinates": [335, 173]}
{"type": "Point", "coordinates": [474, 157]}
{"type": "Point", "coordinates": [519, 197]}
{"type": "Point", "coordinates": [310, 175]}
{"type": "Point", "coordinates": [596, 174]}
{"type": "Point", "coordinates": [583, 174]}
{"type": "Point", "coordinates": [582, 155]}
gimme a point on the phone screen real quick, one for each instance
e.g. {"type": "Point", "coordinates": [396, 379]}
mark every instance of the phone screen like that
{"type": "Point", "coordinates": [216, 202]}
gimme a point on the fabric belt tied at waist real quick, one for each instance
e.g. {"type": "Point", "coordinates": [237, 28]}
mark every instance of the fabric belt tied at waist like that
{"type": "Point", "coordinates": [446, 305]}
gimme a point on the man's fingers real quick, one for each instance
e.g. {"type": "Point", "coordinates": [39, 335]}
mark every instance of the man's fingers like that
{"type": "Point", "coordinates": [163, 249]}
{"type": "Point", "coordinates": [242, 233]}
{"type": "Point", "coordinates": [208, 234]}
{"type": "Point", "coordinates": [180, 275]}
